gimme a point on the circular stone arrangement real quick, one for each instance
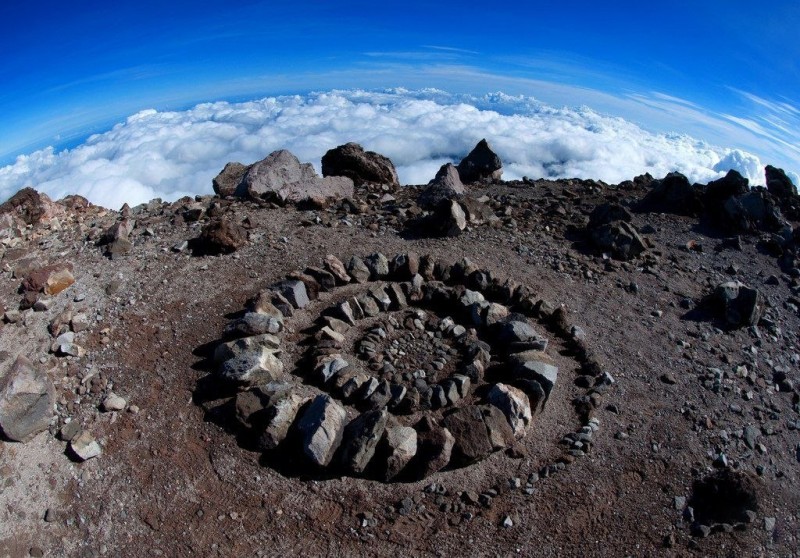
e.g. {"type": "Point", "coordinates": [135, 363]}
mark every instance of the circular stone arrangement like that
{"type": "Point", "coordinates": [412, 366]}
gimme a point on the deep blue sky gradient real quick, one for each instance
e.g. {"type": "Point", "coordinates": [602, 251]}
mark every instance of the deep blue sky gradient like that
{"type": "Point", "coordinates": [71, 68]}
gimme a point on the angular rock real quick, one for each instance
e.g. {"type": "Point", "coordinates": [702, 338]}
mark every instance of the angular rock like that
{"type": "Point", "coordinates": [277, 417]}
{"type": "Point", "coordinates": [50, 280]}
{"type": "Point", "coordinates": [449, 218]}
{"type": "Point", "coordinates": [231, 349]}
{"type": "Point", "coordinates": [515, 406]}
{"type": "Point", "coordinates": [336, 267]}
{"type": "Point", "coordinates": [446, 185]}
{"type": "Point", "coordinates": [738, 304]}
{"type": "Point", "coordinates": [481, 164]}
{"type": "Point", "coordinates": [27, 396]}
{"type": "Point", "coordinates": [358, 270]}
{"type": "Point", "coordinates": [778, 184]}
{"type": "Point", "coordinates": [31, 207]}
{"type": "Point", "coordinates": [228, 181]}
{"type": "Point", "coordinates": [674, 194]}
{"type": "Point", "coordinates": [398, 446]}
{"type": "Point", "coordinates": [221, 237]}
{"type": "Point", "coordinates": [608, 213]}
{"type": "Point", "coordinates": [257, 366]}
{"type": "Point", "coordinates": [540, 373]}
{"type": "Point", "coordinates": [398, 298]}
{"type": "Point", "coordinates": [477, 432]}
{"type": "Point", "coordinates": [378, 266]}
{"type": "Point", "coordinates": [360, 439]}
{"type": "Point", "coordinates": [282, 177]}
{"type": "Point", "coordinates": [294, 291]}
{"type": "Point", "coordinates": [619, 238]}
{"type": "Point", "coordinates": [321, 428]}
{"type": "Point", "coordinates": [253, 323]}
{"type": "Point", "coordinates": [434, 447]}
{"type": "Point", "coordinates": [85, 447]}
{"type": "Point", "coordinates": [325, 279]}
{"type": "Point", "coordinates": [360, 166]}
{"type": "Point", "coordinates": [328, 369]}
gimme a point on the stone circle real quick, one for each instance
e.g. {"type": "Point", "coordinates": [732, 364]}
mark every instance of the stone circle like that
{"type": "Point", "coordinates": [410, 367]}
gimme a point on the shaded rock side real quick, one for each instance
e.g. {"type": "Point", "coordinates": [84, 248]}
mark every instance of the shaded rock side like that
{"type": "Point", "coordinates": [26, 401]}
{"type": "Point", "coordinates": [361, 437]}
{"type": "Point", "coordinates": [360, 166]}
{"type": "Point", "coordinates": [481, 164]}
{"type": "Point", "coordinates": [445, 185]}
{"type": "Point", "coordinates": [228, 181]}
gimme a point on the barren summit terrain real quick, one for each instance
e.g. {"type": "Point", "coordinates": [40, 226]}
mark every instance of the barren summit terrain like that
{"type": "Point", "coordinates": [672, 428]}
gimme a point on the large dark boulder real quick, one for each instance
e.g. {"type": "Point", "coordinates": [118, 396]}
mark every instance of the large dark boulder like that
{"type": "Point", "coordinates": [360, 166]}
{"type": "Point", "coordinates": [731, 185]}
{"type": "Point", "coordinates": [482, 164]}
{"type": "Point", "coordinates": [778, 184]}
{"type": "Point", "coordinates": [752, 212]}
{"type": "Point", "coordinates": [737, 304]}
{"type": "Point", "coordinates": [674, 194]}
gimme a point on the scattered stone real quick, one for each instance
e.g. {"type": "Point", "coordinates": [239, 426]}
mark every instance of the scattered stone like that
{"type": "Point", "coordinates": [85, 447]}
{"type": "Point", "coordinates": [113, 402]}
{"type": "Point", "coordinates": [221, 237]}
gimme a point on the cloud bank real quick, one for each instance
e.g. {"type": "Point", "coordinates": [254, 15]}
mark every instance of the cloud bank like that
{"type": "Point", "coordinates": [173, 154]}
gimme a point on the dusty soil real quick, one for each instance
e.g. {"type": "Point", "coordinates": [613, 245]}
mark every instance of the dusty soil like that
{"type": "Point", "coordinates": [173, 481]}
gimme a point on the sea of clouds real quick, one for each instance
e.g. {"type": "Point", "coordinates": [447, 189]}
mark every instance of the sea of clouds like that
{"type": "Point", "coordinates": [172, 154]}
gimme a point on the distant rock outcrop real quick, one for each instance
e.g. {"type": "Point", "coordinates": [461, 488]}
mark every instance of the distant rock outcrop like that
{"type": "Point", "coordinates": [31, 207]}
{"type": "Point", "coordinates": [362, 167]}
{"type": "Point", "coordinates": [778, 184]}
{"type": "Point", "coordinates": [480, 165]}
{"type": "Point", "coordinates": [282, 178]}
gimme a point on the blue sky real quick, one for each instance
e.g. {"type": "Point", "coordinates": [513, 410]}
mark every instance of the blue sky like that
{"type": "Point", "coordinates": [723, 71]}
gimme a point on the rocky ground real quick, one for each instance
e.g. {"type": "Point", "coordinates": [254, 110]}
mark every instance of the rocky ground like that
{"type": "Point", "coordinates": [673, 427]}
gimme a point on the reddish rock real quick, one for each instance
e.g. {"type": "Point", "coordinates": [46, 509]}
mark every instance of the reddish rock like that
{"type": "Point", "coordinates": [31, 206]}
{"type": "Point", "coordinates": [50, 280]}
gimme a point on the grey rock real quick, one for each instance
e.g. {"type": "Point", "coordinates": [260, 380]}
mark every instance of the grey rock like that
{"type": "Point", "coordinates": [515, 406]}
{"type": "Point", "coordinates": [358, 270]}
{"type": "Point", "coordinates": [254, 323]}
{"type": "Point", "coordinates": [257, 366]}
{"type": "Point", "coordinates": [378, 265]}
{"type": "Point", "coordinates": [445, 186]}
{"type": "Point", "coordinates": [281, 176]}
{"type": "Point", "coordinates": [400, 447]}
{"type": "Point", "coordinates": [321, 428]}
{"type": "Point", "coordinates": [294, 291]}
{"type": "Point", "coordinates": [231, 349]}
{"type": "Point", "coordinates": [85, 447]}
{"type": "Point", "coordinates": [27, 396]}
{"type": "Point", "coordinates": [361, 438]}
{"type": "Point", "coordinates": [337, 269]}
{"type": "Point", "coordinates": [278, 416]}
{"type": "Point", "coordinates": [328, 369]}
{"type": "Point", "coordinates": [542, 373]}
{"type": "Point", "coordinates": [113, 402]}
{"type": "Point", "coordinates": [449, 218]}
{"type": "Point", "coordinates": [738, 304]}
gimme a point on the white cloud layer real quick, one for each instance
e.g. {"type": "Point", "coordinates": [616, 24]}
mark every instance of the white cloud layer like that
{"type": "Point", "coordinates": [173, 154]}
